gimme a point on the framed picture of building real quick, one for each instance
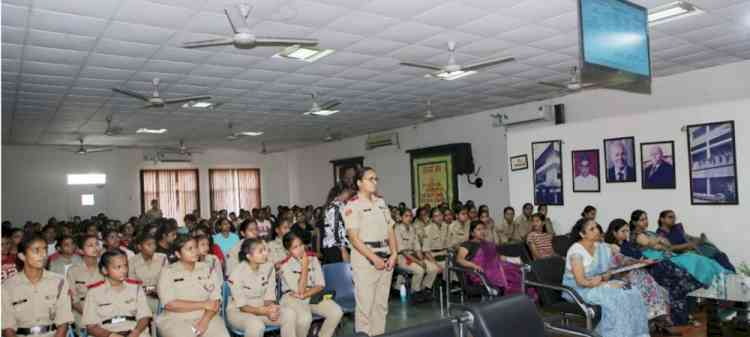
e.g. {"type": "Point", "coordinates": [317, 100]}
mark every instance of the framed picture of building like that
{"type": "Point", "coordinates": [547, 165]}
{"type": "Point", "coordinates": [713, 165]}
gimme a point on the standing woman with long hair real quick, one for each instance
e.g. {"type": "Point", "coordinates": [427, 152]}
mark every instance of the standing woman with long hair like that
{"type": "Point", "coordinates": [371, 233]}
{"type": "Point", "coordinates": [334, 244]}
{"type": "Point", "coordinates": [35, 301]}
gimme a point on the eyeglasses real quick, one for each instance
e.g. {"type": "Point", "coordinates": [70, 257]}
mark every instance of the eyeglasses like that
{"type": "Point", "coordinates": [372, 179]}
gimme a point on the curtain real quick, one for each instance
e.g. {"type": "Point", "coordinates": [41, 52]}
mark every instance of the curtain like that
{"type": "Point", "coordinates": [176, 190]}
{"type": "Point", "coordinates": [234, 189]}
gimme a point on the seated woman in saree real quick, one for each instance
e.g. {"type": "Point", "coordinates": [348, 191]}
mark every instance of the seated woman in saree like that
{"type": "Point", "coordinates": [624, 312]}
{"type": "Point", "coordinates": [681, 241]}
{"type": "Point", "coordinates": [654, 247]}
{"type": "Point", "coordinates": [481, 255]}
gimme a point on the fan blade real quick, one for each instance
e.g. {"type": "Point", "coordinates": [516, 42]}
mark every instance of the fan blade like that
{"type": "Point", "coordinates": [236, 20]}
{"type": "Point", "coordinates": [284, 41]}
{"type": "Point", "coordinates": [99, 149]}
{"type": "Point", "coordinates": [421, 65]}
{"type": "Point", "coordinates": [488, 63]}
{"type": "Point", "coordinates": [330, 104]}
{"type": "Point", "coordinates": [556, 85]}
{"type": "Point", "coordinates": [185, 99]}
{"type": "Point", "coordinates": [208, 43]}
{"type": "Point", "coordinates": [131, 94]}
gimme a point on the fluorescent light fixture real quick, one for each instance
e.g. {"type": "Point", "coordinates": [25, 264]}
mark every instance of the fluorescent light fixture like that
{"type": "Point", "coordinates": [323, 113]}
{"type": "Point", "coordinates": [251, 133]}
{"type": "Point", "coordinates": [307, 54]}
{"type": "Point", "coordinates": [87, 200]}
{"type": "Point", "coordinates": [155, 131]}
{"type": "Point", "coordinates": [453, 75]}
{"type": "Point", "coordinates": [672, 11]}
{"type": "Point", "coordinates": [87, 179]}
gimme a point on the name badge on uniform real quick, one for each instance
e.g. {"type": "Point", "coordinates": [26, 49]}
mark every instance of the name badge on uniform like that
{"type": "Point", "coordinates": [80, 282]}
{"type": "Point", "coordinates": [367, 210]}
{"type": "Point", "coordinates": [178, 279]}
{"type": "Point", "coordinates": [20, 302]}
{"type": "Point", "coordinates": [119, 319]}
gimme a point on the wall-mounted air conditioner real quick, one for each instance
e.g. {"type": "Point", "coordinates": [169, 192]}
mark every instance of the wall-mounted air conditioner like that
{"type": "Point", "coordinates": [173, 157]}
{"type": "Point", "coordinates": [380, 140]}
{"type": "Point", "coordinates": [543, 112]}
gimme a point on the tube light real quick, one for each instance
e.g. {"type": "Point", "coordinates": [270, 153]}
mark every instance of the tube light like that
{"type": "Point", "coordinates": [154, 131]}
{"type": "Point", "coordinates": [672, 11]}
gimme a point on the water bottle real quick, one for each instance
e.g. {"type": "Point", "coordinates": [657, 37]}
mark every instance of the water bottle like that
{"type": "Point", "coordinates": [402, 292]}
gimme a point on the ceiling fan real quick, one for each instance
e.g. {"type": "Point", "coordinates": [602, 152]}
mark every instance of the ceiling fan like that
{"type": "Point", "coordinates": [243, 37]}
{"type": "Point", "coordinates": [112, 130]}
{"type": "Point", "coordinates": [428, 114]}
{"type": "Point", "coordinates": [83, 150]}
{"type": "Point", "coordinates": [574, 84]}
{"type": "Point", "coordinates": [181, 149]}
{"type": "Point", "coordinates": [453, 70]}
{"type": "Point", "coordinates": [325, 109]}
{"type": "Point", "coordinates": [156, 100]}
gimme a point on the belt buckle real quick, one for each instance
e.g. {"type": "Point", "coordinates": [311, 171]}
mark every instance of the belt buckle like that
{"type": "Point", "coordinates": [35, 330]}
{"type": "Point", "coordinates": [119, 319]}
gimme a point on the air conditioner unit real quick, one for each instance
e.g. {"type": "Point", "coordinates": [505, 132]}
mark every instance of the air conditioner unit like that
{"type": "Point", "coordinates": [544, 112]}
{"type": "Point", "coordinates": [384, 139]}
{"type": "Point", "coordinates": [173, 157]}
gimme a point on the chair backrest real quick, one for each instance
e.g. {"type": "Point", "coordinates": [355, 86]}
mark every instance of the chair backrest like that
{"type": "Point", "coordinates": [516, 249]}
{"type": "Point", "coordinates": [509, 316]}
{"type": "Point", "coordinates": [548, 270]}
{"type": "Point", "coordinates": [225, 293]}
{"type": "Point", "coordinates": [338, 278]}
{"type": "Point", "coordinates": [561, 244]}
{"type": "Point", "coordinates": [440, 328]}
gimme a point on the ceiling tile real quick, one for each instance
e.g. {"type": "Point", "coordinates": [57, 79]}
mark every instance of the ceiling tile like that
{"type": "Point", "coordinates": [94, 8]}
{"type": "Point", "coordinates": [450, 15]}
{"type": "Point", "coordinates": [528, 34]}
{"type": "Point", "coordinates": [153, 14]}
{"type": "Point", "coordinates": [361, 23]}
{"type": "Point", "coordinates": [65, 23]}
{"type": "Point", "coordinates": [400, 9]}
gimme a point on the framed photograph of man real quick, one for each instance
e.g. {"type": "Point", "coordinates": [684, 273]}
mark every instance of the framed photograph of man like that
{"type": "Point", "coordinates": [657, 165]}
{"type": "Point", "coordinates": [547, 165]}
{"type": "Point", "coordinates": [586, 171]}
{"type": "Point", "coordinates": [619, 157]}
{"type": "Point", "coordinates": [344, 170]}
{"type": "Point", "coordinates": [713, 165]}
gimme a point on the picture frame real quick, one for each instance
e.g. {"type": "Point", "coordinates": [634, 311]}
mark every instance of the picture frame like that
{"type": "Point", "coordinates": [623, 168]}
{"type": "Point", "coordinates": [586, 171]}
{"type": "Point", "coordinates": [548, 172]}
{"type": "Point", "coordinates": [712, 153]}
{"type": "Point", "coordinates": [519, 162]}
{"type": "Point", "coordinates": [342, 169]}
{"type": "Point", "coordinates": [658, 168]}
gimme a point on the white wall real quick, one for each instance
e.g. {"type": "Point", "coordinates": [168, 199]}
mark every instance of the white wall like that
{"type": "Point", "coordinates": [34, 180]}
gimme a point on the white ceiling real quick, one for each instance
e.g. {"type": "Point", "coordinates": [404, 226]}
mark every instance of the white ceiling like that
{"type": "Point", "coordinates": [60, 59]}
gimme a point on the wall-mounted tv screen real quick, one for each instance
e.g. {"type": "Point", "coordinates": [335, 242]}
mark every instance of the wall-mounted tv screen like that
{"type": "Point", "coordinates": [615, 44]}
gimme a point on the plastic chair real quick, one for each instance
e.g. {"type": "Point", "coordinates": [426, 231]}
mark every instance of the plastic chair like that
{"type": "Point", "coordinates": [338, 278]}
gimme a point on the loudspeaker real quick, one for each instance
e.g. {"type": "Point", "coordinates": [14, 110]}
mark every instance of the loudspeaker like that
{"type": "Point", "coordinates": [463, 160]}
{"type": "Point", "coordinates": [559, 114]}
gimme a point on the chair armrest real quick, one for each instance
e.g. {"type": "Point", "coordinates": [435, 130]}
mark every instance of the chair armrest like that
{"type": "Point", "coordinates": [587, 308]}
{"type": "Point", "coordinates": [483, 278]}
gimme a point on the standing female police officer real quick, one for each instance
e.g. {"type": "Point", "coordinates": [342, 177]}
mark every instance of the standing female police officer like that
{"type": "Point", "coordinates": [370, 229]}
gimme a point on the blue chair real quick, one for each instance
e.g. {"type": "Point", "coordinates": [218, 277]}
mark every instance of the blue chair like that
{"type": "Point", "coordinates": [338, 278]}
{"type": "Point", "coordinates": [225, 293]}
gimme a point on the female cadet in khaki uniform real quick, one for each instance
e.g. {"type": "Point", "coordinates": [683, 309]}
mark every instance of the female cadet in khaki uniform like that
{"type": "Point", "coordinates": [302, 279]}
{"type": "Point", "coordinates": [458, 232]}
{"type": "Point", "coordinates": [116, 306]}
{"type": "Point", "coordinates": [35, 301]}
{"type": "Point", "coordinates": [191, 295]}
{"type": "Point", "coordinates": [146, 267]}
{"type": "Point", "coordinates": [253, 301]}
{"type": "Point", "coordinates": [410, 258]}
{"type": "Point", "coordinates": [370, 229]}
{"type": "Point", "coordinates": [248, 230]}
{"type": "Point", "coordinates": [277, 253]}
{"type": "Point", "coordinates": [83, 274]}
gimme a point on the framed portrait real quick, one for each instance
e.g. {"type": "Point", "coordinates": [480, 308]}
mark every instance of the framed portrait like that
{"type": "Point", "coordinates": [713, 166]}
{"type": "Point", "coordinates": [519, 162]}
{"type": "Point", "coordinates": [344, 170]}
{"type": "Point", "coordinates": [433, 180]}
{"type": "Point", "coordinates": [658, 165]}
{"type": "Point", "coordinates": [586, 171]}
{"type": "Point", "coordinates": [619, 159]}
{"type": "Point", "coordinates": [547, 165]}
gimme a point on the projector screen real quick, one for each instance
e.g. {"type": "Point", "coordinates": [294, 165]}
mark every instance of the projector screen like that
{"type": "Point", "coordinates": [615, 44]}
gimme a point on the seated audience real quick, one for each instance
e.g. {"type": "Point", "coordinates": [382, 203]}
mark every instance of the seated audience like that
{"type": "Point", "coordinates": [548, 225]}
{"type": "Point", "coordinates": [539, 240]}
{"type": "Point", "coordinates": [458, 231]}
{"type": "Point", "coordinates": [226, 239]}
{"type": "Point", "coordinates": [248, 230]}
{"type": "Point", "coordinates": [681, 241]}
{"type": "Point", "coordinates": [83, 274]}
{"type": "Point", "coordinates": [423, 272]}
{"type": "Point", "coordinates": [589, 212]}
{"type": "Point", "coordinates": [435, 244]}
{"type": "Point", "coordinates": [146, 267]}
{"type": "Point", "coordinates": [66, 255]}
{"type": "Point", "coordinates": [277, 252]}
{"type": "Point", "coordinates": [523, 223]}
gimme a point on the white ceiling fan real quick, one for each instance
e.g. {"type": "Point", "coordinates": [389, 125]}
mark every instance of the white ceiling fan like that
{"type": "Point", "coordinates": [453, 70]}
{"type": "Point", "coordinates": [156, 100]}
{"type": "Point", "coordinates": [181, 149]}
{"type": "Point", "coordinates": [112, 130]}
{"type": "Point", "coordinates": [83, 150]}
{"type": "Point", "coordinates": [574, 84]}
{"type": "Point", "coordinates": [243, 37]}
{"type": "Point", "coordinates": [428, 114]}
{"type": "Point", "coordinates": [325, 109]}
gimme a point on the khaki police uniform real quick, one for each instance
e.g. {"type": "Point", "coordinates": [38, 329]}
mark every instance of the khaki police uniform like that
{"type": "Point", "coordinates": [490, 230]}
{"type": "Point", "coordinates": [79, 277]}
{"type": "Point", "coordinates": [548, 225]}
{"type": "Point", "coordinates": [232, 258]}
{"type": "Point", "coordinates": [419, 227]}
{"type": "Point", "coordinates": [148, 273]}
{"type": "Point", "coordinates": [61, 264]}
{"type": "Point", "coordinates": [436, 243]}
{"type": "Point", "coordinates": [178, 283]}
{"type": "Point", "coordinates": [290, 271]}
{"type": "Point", "coordinates": [522, 226]}
{"type": "Point", "coordinates": [276, 251]}
{"type": "Point", "coordinates": [117, 309]}
{"type": "Point", "coordinates": [36, 307]}
{"type": "Point", "coordinates": [254, 288]}
{"type": "Point", "coordinates": [458, 233]}
{"type": "Point", "coordinates": [372, 220]}
{"type": "Point", "coordinates": [421, 277]}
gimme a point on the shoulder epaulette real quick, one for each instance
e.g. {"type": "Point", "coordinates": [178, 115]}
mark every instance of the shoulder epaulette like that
{"type": "Point", "coordinates": [133, 281]}
{"type": "Point", "coordinates": [285, 260]}
{"type": "Point", "coordinates": [354, 198]}
{"type": "Point", "coordinates": [95, 284]}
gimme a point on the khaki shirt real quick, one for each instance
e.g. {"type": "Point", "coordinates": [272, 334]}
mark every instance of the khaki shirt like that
{"type": "Point", "coordinates": [522, 228]}
{"type": "Point", "coordinates": [80, 277]}
{"type": "Point", "coordinates": [147, 271]}
{"type": "Point", "coordinates": [458, 233]}
{"type": "Point", "coordinates": [436, 239]}
{"type": "Point", "coordinates": [61, 264]}
{"type": "Point", "coordinates": [232, 258]}
{"type": "Point", "coordinates": [371, 218]}
{"type": "Point", "coordinates": [26, 305]}
{"type": "Point", "coordinates": [291, 270]}
{"type": "Point", "coordinates": [105, 302]}
{"type": "Point", "coordinates": [419, 227]}
{"type": "Point", "coordinates": [252, 287]}
{"type": "Point", "coordinates": [276, 251]}
{"type": "Point", "coordinates": [406, 236]}
{"type": "Point", "coordinates": [178, 283]}
{"type": "Point", "coordinates": [548, 225]}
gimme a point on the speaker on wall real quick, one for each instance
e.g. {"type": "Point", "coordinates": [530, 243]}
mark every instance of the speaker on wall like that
{"type": "Point", "coordinates": [463, 159]}
{"type": "Point", "coordinates": [559, 114]}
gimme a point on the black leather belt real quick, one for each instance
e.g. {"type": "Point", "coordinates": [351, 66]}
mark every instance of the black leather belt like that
{"type": "Point", "coordinates": [119, 319]}
{"type": "Point", "coordinates": [377, 244]}
{"type": "Point", "coordinates": [36, 330]}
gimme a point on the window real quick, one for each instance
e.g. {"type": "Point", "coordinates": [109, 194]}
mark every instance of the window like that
{"type": "Point", "coordinates": [87, 179]}
{"type": "Point", "coordinates": [87, 200]}
{"type": "Point", "coordinates": [234, 189]}
{"type": "Point", "coordinates": [176, 190]}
